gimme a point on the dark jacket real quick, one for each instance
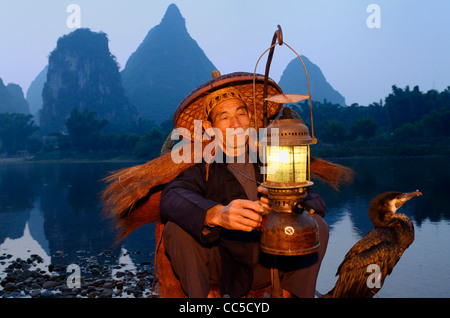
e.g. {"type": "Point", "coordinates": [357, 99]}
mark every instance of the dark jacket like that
{"type": "Point", "coordinates": [187, 198]}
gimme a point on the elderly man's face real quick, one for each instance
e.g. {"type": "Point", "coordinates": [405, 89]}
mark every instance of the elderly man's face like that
{"type": "Point", "coordinates": [231, 114]}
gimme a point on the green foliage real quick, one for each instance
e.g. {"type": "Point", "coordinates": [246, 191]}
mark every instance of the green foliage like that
{"type": "Point", "coordinates": [15, 131]}
{"type": "Point", "coordinates": [84, 130]}
{"type": "Point", "coordinates": [149, 145]}
{"type": "Point", "coordinates": [34, 144]}
{"type": "Point", "coordinates": [434, 124]}
{"type": "Point", "coordinates": [333, 132]}
{"type": "Point", "coordinates": [409, 123]}
{"type": "Point", "coordinates": [406, 106]}
{"type": "Point", "coordinates": [433, 107]}
{"type": "Point", "coordinates": [364, 128]}
{"type": "Point", "coordinates": [121, 143]}
{"type": "Point", "coordinates": [334, 123]}
{"type": "Point", "coordinates": [89, 137]}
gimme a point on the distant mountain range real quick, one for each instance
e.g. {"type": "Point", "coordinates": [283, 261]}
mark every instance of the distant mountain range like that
{"type": "Point", "coordinates": [34, 93]}
{"type": "Point", "coordinates": [12, 99]}
{"type": "Point", "coordinates": [293, 80]}
{"type": "Point", "coordinates": [166, 66]}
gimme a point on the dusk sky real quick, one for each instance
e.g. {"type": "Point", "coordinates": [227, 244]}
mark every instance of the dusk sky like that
{"type": "Point", "coordinates": [408, 45]}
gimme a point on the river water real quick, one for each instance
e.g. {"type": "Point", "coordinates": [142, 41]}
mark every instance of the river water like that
{"type": "Point", "coordinates": [53, 209]}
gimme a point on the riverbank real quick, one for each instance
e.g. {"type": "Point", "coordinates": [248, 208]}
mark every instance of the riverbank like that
{"type": "Point", "coordinates": [98, 278]}
{"type": "Point", "coordinates": [360, 149]}
{"type": "Point", "coordinates": [383, 148]}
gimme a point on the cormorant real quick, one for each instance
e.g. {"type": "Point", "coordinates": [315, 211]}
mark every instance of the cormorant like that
{"type": "Point", "coordinates": [371, 259]}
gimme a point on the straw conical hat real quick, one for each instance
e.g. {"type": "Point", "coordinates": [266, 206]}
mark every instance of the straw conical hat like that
{"type": "Point", "coordinates": [247, 85]}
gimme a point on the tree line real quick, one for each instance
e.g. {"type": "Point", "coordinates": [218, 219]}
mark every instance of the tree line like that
{"type": "Point", "coordinates": [408, 122]}
{"type": "Point", "coordinates": [87, 136]}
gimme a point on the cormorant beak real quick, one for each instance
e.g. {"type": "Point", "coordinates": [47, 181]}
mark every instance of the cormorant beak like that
{"type": "Point", "coordinates": [404, 197]}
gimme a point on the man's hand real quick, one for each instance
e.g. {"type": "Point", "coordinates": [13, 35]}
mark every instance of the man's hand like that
{"type": "Point", "coordinates": [314, 201]}
{"type": "Point", "coordinates": [242, 215]}
{"type": "Point", "coordinates": [264, 200]}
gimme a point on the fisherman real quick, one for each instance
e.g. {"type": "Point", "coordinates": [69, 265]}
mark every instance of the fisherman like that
{"type": "Point", "coordinates": [212, 211]}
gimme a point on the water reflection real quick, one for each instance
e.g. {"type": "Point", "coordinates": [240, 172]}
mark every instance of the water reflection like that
{"type": "Point", "coordinates": [51, 207]}
{"type": "Point", "coordinates": [375, 175]}
{"type": "Point", "coordinates": [420, 272]}
{"type": "Point", "coordinates": [64, 199]}
{"type": "Point", "coordinates": [32, 240]}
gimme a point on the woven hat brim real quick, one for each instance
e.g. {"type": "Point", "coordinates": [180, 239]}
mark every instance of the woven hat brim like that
{"type": "Point", "coordinates": [191, 107]}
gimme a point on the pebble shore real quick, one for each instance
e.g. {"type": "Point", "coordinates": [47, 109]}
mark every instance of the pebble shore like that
{"type": "Point", "coordinates": [28, 278]}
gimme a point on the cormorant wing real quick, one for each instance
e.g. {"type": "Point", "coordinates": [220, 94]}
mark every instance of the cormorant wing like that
{"type": "Point", "coordinates": [371, 249]}
{"type": "Point", "coordinates": [378, 248]}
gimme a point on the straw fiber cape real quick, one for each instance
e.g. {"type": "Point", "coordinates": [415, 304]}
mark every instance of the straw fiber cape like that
{"type": "Point", "coordinates": [132, 195]}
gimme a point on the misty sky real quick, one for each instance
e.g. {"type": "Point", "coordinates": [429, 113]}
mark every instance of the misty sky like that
{"type": "Point", "coordinates": [411, 47]}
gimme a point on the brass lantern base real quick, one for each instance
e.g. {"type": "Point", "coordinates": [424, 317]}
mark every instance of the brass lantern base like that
{"type": "Point", "coordinates": [288, 229]}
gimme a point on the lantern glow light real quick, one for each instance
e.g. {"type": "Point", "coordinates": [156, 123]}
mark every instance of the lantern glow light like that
{"type": "Point", "coordinates": [287, 164]}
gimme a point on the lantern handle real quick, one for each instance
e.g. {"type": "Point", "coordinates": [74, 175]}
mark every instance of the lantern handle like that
{"type": "Point", "coordinates": [277, 39]}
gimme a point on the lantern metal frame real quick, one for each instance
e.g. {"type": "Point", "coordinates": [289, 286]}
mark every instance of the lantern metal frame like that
{"type": "Point", "coordinates": [287, 228]}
